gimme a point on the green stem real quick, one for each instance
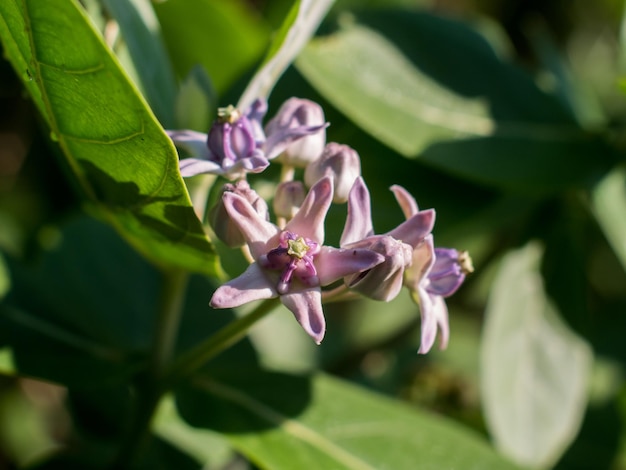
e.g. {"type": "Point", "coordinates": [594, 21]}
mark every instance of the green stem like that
{"type": "Point", "coordinates": [151, 386]}
{"type": "Point", "coordinates": [195, 358]}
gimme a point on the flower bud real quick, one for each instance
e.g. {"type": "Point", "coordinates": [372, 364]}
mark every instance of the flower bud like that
{"type": "Point", "coordinates": [306, 116]}
{"type": "Point", "coordinates": [288, 198]}
{"type": "Point", "coordinates": [384, 281]}
{"type": "Point", "coordinates": [448, 271]}
{"type": "Point", "coordinates": [232, 136]}
{"type": "Point", "coordinates": [341, 163]}
{"type": "Point", "coordinates": [221, 222]}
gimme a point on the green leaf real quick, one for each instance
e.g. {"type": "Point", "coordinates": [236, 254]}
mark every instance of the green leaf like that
{"type": "Point", "coordinates": [85, 313]}
{"type": "Point", "coordinates": [196, 101]}
{"type": "Point", "coordinates": [225, 38]}
{"type": "Point", "coordinates": [433, 88]}
{"type": "Point", "coordinates": [609, 207]}
{"type": "Point", "coordinates": [342, 426]}
{"type": "Point", "coordinates": [140, 29]}
{"type": "Point", "coordinates": [298, 27]}
{"type": "Point", "coordinates": [118, 153]}
{"type": "Point", "coordinates": [535, 369]}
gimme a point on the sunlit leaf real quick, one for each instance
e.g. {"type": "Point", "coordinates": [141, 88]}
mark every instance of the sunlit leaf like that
{"type": "Point", "coordinates": [535, 370]}
{"type": "Point", "coordinates": [341, 426]}
{"type": "Point", "coordinates": [433, 88]}
{"type": "Point", "coordinates": [300, 24]}
{"type": "Point", "coordinates": [609, 207]}
{"type": "Point", "coordinates": [141, 32]}
{"type": "Point", "coordinates": [118, 153]}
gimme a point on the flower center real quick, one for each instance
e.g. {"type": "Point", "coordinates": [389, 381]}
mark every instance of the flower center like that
{"type": "Point", "coordinates": [294, 258]}
{"type": "Point", "coordinates": [229, 114]}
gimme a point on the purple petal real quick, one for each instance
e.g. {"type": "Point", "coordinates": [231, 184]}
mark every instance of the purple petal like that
{"type": "Point", "coordinates": [195, 166]}
{"type": "Point", "coordinates": [441, 314]}
{"type": "Point", "coordinates": [194, 143]}
{"type": "Point", "coordinates": [332, 263]}
{"type": "Point", "coordinates": [447, 285]}
{"type": "Point", "coordinates": [307, 308]}
{"type": "Point", "coordinates": [249, 286]}
{"type": "Point", "coordinates": [405, 200]}
{"type": "Point", "coordinates": [423, 259]}
{"type": "Point", "coordinates": [257, 231]}
{"type": "Point", "coordinates": [359, 219]}
{"type": "Point", "coordinates": [309, 221]}
{"type": "Point", "coordinates": [255, 114]}
{"type": "Point", "coordinates": [279, 140]}
{"type": "Point", "coordinates": [429, 321]}
{"type": "Point", "coordinates": [415, 229]}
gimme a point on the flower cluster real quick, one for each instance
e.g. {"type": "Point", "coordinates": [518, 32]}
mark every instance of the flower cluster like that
{"type": "Point", "coordinates": [288, 259]}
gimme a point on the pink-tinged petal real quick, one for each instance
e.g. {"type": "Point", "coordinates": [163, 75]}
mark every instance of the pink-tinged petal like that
{"type": "Point", "coordinates": [279, 140]}
{"type": "Point", "coordinates": [195, 166]}
{"type": "Point", "coordinates": [415, 229]}
{"type": "Point", "coordinates": [249, 286]}
{"type": "Point", "coordinates": [306, 306]}
{"type": "Point", "coordinates": [194, 143]}
{"type": "Point", "coordinates": [359, 219]}
{"type": "Point", "coordinates": [441, 314]}
{"type": "Point", "coordinates": [429, 321]}
{"type": "Point", "coordinates": [423, 259]}
{"type": "Point", "coordinates": [333, 264]}
{"type": "Point", "coordinates": [405, 200]}
{"type": "Point", "coordinates": [255, 229]}
{"type": "Point", "coordinates": [309, 221]}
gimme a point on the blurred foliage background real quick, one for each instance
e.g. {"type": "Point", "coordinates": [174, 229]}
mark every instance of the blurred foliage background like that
{"type": "Point", "coordinates": [507, 116]}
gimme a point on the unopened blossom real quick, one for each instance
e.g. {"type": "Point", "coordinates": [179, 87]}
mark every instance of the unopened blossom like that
{"type": "Point", "coordinates": [435, 273]}
{"type": "Point", "coordinates": [236, 143]}
{"type": "Point", "coordinates": [292, 263]}
{"type": "Point", "coordinates": [297, 113]}
{"type": "Point", "coordinates": [221, 221]}
{"type": "Point", "coordinates": [384, 281]}
{"type": "Point", "coordinates": [342, 163]}
{"type": "Point", "coordinates": [288, 198]}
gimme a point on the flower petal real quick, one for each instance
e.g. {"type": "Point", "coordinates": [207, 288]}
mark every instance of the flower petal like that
{"type": "Point", "coordinates": [306, 306]}
{"type": "Point", "coordinates": [332, 263]}
{"type": "Point", "coordinates": [249, 286]}
{"type": "Point", "coordinates": [423, 259]}
{"type": "Point", "coordinates": [309, 221]}
{"type": "Point", "coordinates": [429, 321]}
{"type": "Point", "coordinates": [196, 166]}
{"type": "Point", "coordinates": [359, 219]}
{"type": "Point", "coordinates": [255, 229]}
{"type": "Point", "coordinates": [279, 140]}
{"type": "Point", "coordinates": [441, 314]}
{"type": "Point", "coordinates": [405, 200]}
{"type": "Point", "coordinates": [414, 230]}
{"type": "Point", "coordinates": [194, 143]}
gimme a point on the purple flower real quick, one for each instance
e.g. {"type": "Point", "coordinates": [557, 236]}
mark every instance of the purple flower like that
{"type": "Point", "coordinates": [232, 148]}
{"type": "Point", "coordinates": [305, 116]}
{"type": "Point", "coordinates": [236, 144]}
{"type": "Point", "coordinates": [341, 163]}
{"type": "Point", "coordinates": [384, 281]}
{"type": "Point", "coordinates": [435, 273]}
{"type": "Point", "coordinates": [291, 263]}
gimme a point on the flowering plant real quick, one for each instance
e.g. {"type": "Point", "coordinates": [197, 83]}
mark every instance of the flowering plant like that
{"type": "Point", "coordinates": [212, 253]}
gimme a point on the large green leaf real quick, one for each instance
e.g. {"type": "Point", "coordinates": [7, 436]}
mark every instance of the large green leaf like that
{"type": "Point", "coordinates": [413, 80]}
{"type": "Point", "coordinates": [118, 153]}
{"type": "Point", "coordinates": [609, 207]}
{"type": "Point", "coordinates": [224, 37]}
{"type": "Point", "coordinates": [535, 370]}
{"type": "Point", "coordinates": [342, 426]}
{"type": "Point", "coordinates": [140, 29]}
{"type": "Point", "coordinates": [297, 28]}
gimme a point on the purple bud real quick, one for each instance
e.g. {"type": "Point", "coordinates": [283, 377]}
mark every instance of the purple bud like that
{"type": "Point", "coordinates": [448, 271]}
{"type": "Point", "coordinates": [288, 199]}
{"type": "Point", "coordinates": [232, 137]}
{"type": "Point", "coordinates": [384, 281]}
{"type": "Point", "coordinates": [308, 118]}
{"type": "Point", "coordinates": [220, 220]}
{"type": "Point", "coordinates": [339, 162]}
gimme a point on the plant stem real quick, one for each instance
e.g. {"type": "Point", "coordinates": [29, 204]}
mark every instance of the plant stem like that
{"type": "Point", "coordinates": [151, 386]}
{"type": "Point", "coordinates": [195, 358]}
